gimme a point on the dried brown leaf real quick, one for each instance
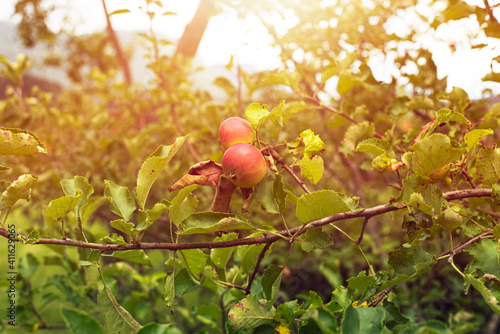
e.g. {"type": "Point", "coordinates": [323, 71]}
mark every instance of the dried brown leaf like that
{"type": "Point", "coordinates": [223, 195]}
{"type": "Point", "coordinates": [205, 173]}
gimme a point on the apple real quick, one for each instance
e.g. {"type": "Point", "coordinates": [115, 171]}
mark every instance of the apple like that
{"type": "Point", "coordinates": [244, 165]}
{"type": "Point", "coordinates": [439, 174]}
{"type": "Point", "coordinates": [235, 130]}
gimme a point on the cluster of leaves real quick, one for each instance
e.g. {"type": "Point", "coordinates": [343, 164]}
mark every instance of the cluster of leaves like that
{"type": "Point", "coordinates": [364, 148]}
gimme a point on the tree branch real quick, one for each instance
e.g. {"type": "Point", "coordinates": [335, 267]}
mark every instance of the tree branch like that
{"type": "Point", "coordinates": [257, 265]}
{"type": "Point", "coordinates": [266, 239]}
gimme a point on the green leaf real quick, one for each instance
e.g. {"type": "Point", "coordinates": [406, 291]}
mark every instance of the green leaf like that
{"type": "Point", "coordinates": [376, 146]}
{"type": "Point", "coordinates": [473, 137]}
{"type": "Point", "coordinates": [271, 194]}
{"type": "Point", "coordinates": [351, 323]}
{"type": "Point", "coordinates": [492, 298]}
{"type": "Point", "coordinates": [148, 217]}
{"type": "Point", "coordinates": [271, 281]}
{"type": "Point", "coordinates": [285, 315]}
{"type": "Point", "coordinates": [312, 168]}
{"type": "Point", "coordinates": [496, 231]}
{"type": "Point", "coordinates": [329, 71]}
{"type": "Point", "coordinates": [249, 253]}
{"type": "Point", "coordinates": [183, 205]}
{"type": "Point", "coordinates": [361, 282]}
{"type": "Point", "coordinates": [118, 11]}
{"type": "Point", "coordinates": [126, 227]}
{"type": "Point", "coordinates": [286, 78]}
{"type": "Point", "coordinates": [33, 237]}
{"type": "Point", "coordinates": [383, 162]}
{"type": "Point", "coordinates": [114, 238]}
{"type": "Point", "coordinates": [220, 256]}
{"type": "Point", "coordinates": [363, 78]}
{"type": "Point", "coordinates": [315, 237]}
{"type": "Point", "coordinates": [486, 256]}
{"type": "Point", "coordinates": [450, 218]}
{"type": "Point", "coordinates": [170, 290]}
{"type": "Point", "coordinates": [73, 187]}
{"type": "Point", "coordinates": [357, 132]}
{"type": "Point", "coordinates": [320, 204]}
{"type": "Point", "coordinates": [421, 195]}
{"type": "Point", "coordinates": [94, 256]}
{"type": "Point", "coordinates": [225, 85]}
{"type": "Point", "coordinates": [60, 207]}
{"type": "Point", "coordinates": [133, 255]}
{"type": "Point", "coordinates": [393, 314]}
{"type": "Point", "coordinates": [434, 152]}
{"type": "Point", "coordinates": [316, 300]}
{"type": "Point", "coordinates": [488, 165]}
{"type": "Point", "coordinates": [492, 117]}
{"type": "Point", "coordinates": [93, 204]}
{"type": "Point", "coordinates": [155, 329]}
{"type": "Point", "coordinates": [258, 114]}
{"type": "Point", "coordinates": [84, 263]}
{"type": "Point", "coordinates": [4, 169]}
{"type": "Point", "coordinates": [152, 167]}
{"type": "Point", "coordinates": [249, 313]}
{"type": "Point", "coordinates": [28, 265]}
{"type": "Point", "coordinates": [207, 222]}
{"type": "Point", "coordinates": [17, 141]}
{"type": "Point", "coordinates": [446, 115]}
{"type": "Point", "coordinates": [307, 144]}
{"type": "Point", "coordinates": [195, 260]}
{"type": "Point", "coordinates": [372, 319]}
{"type": "Point", "coordinates": [335, 68]}
{"type": "Point", "coordinates": [121, 202]}
{"type": "Point", "coordinates": [421, 102]}
{"type": "Point", "coordinates": [409, 260]}
{"type": "Point", "coordinates": [346, 81]}
{"type": "Point", "coordinates": [492, 76]}
{"type": "Point", "coordinates": [184, 283]}
{"type": "Point", "coordinates": [79, 322]}
{"type": "Point", "coordinates": [459, 98]}
{"type": "Point", "coordinates": [116, 318]}
{"type": "Point", "coordinates": [19, 189]}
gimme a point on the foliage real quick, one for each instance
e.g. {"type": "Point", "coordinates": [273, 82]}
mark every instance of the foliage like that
{"type": "Point", "coordinates": [378, 213]}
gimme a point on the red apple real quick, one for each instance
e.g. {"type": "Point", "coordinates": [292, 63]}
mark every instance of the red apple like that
{"type": "Point", "coordinates": [235, 130]}
{"type": "Point", "coordinates": [244, 165]}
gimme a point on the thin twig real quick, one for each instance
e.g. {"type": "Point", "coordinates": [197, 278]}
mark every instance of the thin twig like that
{"type": "Point", "coordinates": [283, 163]}
{"type": "Point", "coordinates": [469, 178]}
{"type": "Point", "coordinates": [381, 296]}
{"type": "Point", "coordinates": [259, 259]}
{"type": "Point", "coordinates": [342, 231]}
{"type": "Point", "coordinates": [358, 242]}
{"type": "Point", "coordinates": [462, 246]}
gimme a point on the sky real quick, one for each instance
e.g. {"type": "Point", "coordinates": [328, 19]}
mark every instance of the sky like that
{"type": "Point", "coordinates": [226, 36]}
